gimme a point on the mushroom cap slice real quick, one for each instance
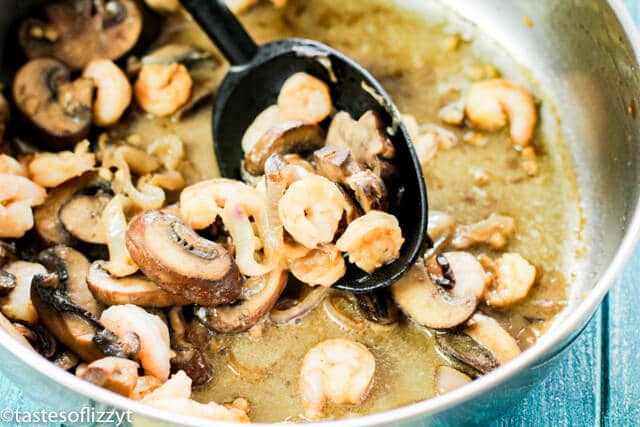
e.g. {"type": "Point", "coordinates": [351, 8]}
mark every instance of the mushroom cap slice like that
{"type": "Point", "coordinates": [116, 374]}
{"type": "Point", "coordinates": [262, 294]}
{"type": "Point", "coordinates": [81, 214]}
{"type": "Point", "coordinates": [59, 109]}
{"type": "Point", "coordinates": [17, 305]}
{"type": "Point", "coordinates": [449, 379]}
{"type": "Point", "coordinates": [467, 350]}
{"type": "Point", "coordinates": [81, 33]}
{"type": "Point", "coordinates": [75, 327]}
{"type": "Point", "coordinates": [71, 267]}
{"type": "Point", "coordinates": [428, 304]}
{"type": "Point", "coordinates": [179, 261]}
{"type": "Point", "coordinates": [135, 289]}
{"type": "Point", "coordinates": [283, 138]}
{"type": "Point", "coordinates": [47, 223]}
{"type": "Point", "coordinates": [483, 344]}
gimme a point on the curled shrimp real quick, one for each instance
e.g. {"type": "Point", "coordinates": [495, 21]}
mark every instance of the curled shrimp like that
{"type": "Point", "coordinates": [153, 334]}
{"type": "Point", "coordinates": [113, 91]}
{"type": "Point", "coordinates": [492, 103]}
{"type": "Point", "coordinates": [311, 209]}
{"type": "Point", "coordinates": [339, 370]}
{"type": "Point", "coordinates": [322, 266]}
{"type": "Point", "coordinates": [17, 195]}
{"type": "Point", "coordinates": [175, 396]}
{"type": "Point", "coordinates": [239, 209]}
{"type": "Point", "coordinates": [52, 169]}
{"type": "Point", "coordinates": [161, 89]}
{"type": "Point", "coordinates": [304, 97]}
{"type": "Point", "coordinates": [372, 240]}
{"type": "Point", "coordinates": [11, 166]}
{"type": "Point", "coordinates": [202, 203]}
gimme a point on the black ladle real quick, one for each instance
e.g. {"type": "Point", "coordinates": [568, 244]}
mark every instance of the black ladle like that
{"type": "Point", "coordinates": [252, 84]}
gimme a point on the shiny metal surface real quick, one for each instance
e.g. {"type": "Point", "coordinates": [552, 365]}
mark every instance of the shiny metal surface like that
{"type": "Point", "coordinates": [585, 55]}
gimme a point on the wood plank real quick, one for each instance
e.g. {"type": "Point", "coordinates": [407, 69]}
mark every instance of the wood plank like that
{"type": "Point", "coordinates": [622, 405]}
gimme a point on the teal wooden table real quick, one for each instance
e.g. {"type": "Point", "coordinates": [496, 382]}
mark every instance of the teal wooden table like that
{"type": "Point", "coordinates": [598, 382]}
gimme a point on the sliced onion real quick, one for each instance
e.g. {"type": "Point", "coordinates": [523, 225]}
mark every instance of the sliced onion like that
{"type": "Point", "coordinates": [114, 222]}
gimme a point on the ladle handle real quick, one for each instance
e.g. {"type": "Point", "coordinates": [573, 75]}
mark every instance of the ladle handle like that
{"type": "Point", "coordinates": [223, 28]}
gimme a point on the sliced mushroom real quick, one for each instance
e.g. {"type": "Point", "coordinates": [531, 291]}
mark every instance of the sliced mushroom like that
{"type": "Point", "coordinates": [179, 261]}
{"type": "Point", "coordinates": [113, 373]}
{"type": "Point", "coordinates": [17, 305]}
{"type": "Point", "coordinates": [71, 267]}
{"type": "Point", "coordinates": [8, 252]}
{"type": "Point", "coordinates": [7, 282]}
{"type": "Point", "coordinates": [188, 358]}
{"type": "Point", "coordinates": [13, 331]}
{"type": "Point", "coordinates": [81, 214]}
{"type": "Point", "coordinates": [59, 109]}
{"type": "Point", "coordinates": [365, 138]}
{"type": "Point", "coordinates": [136, 289]}
{"type": "Point", "coordinates": [467, 351]}
{"type": "Point", "coordinates": [369, 190]}
{"type": "Point", "coordinates": [41, 339]}
{"type": "Point", "coordinates": [428, 304]}
{"type": "Point", "coordinates": [75, 327]}
{"type": "Point", "coordinates": [47, 222]}
{"type": "Point", "coordinates": [290, 310]}
{"type": "Point", "coordinates": [65, 359]}
{"type": "Point", "coordinates": [483, 344]}
{"type": "Point", "coordinates": [378, 307]}
{"type": "Point", "coordinates": [283, 138]}
{"type": "Point", "coordinates": [493, 231]}
{"type": "Point", "coordinates": [78, 31]}
{"type": "Point", "coordinates": [260, 295]}
{"type": "Point", "coordinates": [338, 164]}
{"type": "Point", "coordinates": [379, 143]}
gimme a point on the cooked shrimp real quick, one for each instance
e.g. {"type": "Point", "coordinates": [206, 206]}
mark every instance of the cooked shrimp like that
{"type": "Point", "coordinates": [488, 332]}
{"type": "Point", "coordinates": [372, 240]}
{"type": "Point", "coordinates": [114, 221]}
{"type": "Point", "coordinates": [338, 370]}
{"type": "Point", "coordinates": [154, 353]}
{"type": "Point", "coordinates": [304, 97]}
{"type": "Point", "coordinates": [201, 203]}
{"type": "Point", "coordinates": [161, 89]}
{"type": "Point", "coordinates": [10, 166]}
{"type": "Point", "coordinates": [493, 231]}
{"type": "Point", "coordinates": [52, 169]}
{"type": "Point", "coordinates": [241, 206]}
{"type": "Point", "coordinates": [17, 195]}
{"type": "Point", "coordinates": [311, 209]}
{"type": "Point", "coordinates": [514, 277]}
{"type": "Point", "coordinates": [470, 277]}
{"type": "Point", "coordinates": [175, 396]}
{"type": "Point", "coordinates": [492, 103]}
{"type": "Point", "coordinates": [322, 266]}
{"type": "Point", "coordinates": [113, 91]}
